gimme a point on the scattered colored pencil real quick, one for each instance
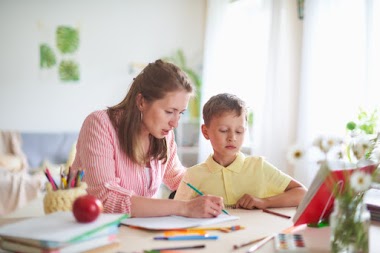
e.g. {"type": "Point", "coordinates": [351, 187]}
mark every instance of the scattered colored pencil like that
{"type": "Point", "coordinates": [276, 213]}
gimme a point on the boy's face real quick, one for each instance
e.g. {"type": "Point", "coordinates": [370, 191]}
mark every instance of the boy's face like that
{"type": "Point", "coordinates": [226, 134]}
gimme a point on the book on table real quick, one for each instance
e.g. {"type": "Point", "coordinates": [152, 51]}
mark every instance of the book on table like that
{"type": "Point", "coordinates": [60, 229]}
{"type": "Point", "coordinates": [101, 244]}
{"type": "Point", "coordinates": [318, 202]}
{"type": "Point", "coordinates": [372, 199]}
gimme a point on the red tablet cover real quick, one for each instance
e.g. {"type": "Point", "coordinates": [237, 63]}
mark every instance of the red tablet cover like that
{"type": "Point", "coordinates": [319, 200]}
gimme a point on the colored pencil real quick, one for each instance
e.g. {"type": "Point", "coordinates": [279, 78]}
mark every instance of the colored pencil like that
{"type": "Point", "coordinates": [187, 237]}
{"type": "Point", "coordinates": [249, 243]}
{"type": "Point", "coordinates": [51, 179]}
{"type": "Point", "coordinates": [201, 246]}
{"type": "Point", "coordinates": [276, 213]}
{"type": "Point", "coordinates": [260, 244]}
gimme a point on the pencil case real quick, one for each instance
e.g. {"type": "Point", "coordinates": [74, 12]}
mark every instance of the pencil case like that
{"type": "Point", "coordinates": [62, 199]}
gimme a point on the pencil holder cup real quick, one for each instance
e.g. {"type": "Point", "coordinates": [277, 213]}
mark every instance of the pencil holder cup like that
{"type": "Point", "coordinates": [62, 199]}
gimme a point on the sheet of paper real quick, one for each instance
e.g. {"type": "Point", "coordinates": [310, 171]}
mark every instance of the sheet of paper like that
{"type": "Point", "coordinates": [176, 222]}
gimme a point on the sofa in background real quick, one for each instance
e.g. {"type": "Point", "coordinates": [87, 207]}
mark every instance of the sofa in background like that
{"type": "Point", "coordinates": [24, 157]}
{"type": "Point", "coordinates": [42, 148]}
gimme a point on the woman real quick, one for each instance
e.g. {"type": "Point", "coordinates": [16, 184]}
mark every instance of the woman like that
{"type": "Point", "coordinates": [129, 149]}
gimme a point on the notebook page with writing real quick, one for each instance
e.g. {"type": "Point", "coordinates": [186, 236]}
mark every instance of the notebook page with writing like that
{"type": "Point", "coordinates": [175, 222]}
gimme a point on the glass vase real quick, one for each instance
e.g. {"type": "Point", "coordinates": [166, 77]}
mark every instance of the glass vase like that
{"type": "Point", "coordinates": [349, 223]}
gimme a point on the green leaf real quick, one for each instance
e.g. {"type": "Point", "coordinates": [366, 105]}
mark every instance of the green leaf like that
{"type": "Point", "coordinates": [351, 125]}
{"type": "Point", "coordinates": [69, 71]}
{"type": "Point", "coordinates": [47, 56]}
{"type": "Point", "coordinates": [67, 39]}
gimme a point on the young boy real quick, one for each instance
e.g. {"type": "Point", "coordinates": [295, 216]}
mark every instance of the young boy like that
{"type": "Point", "coordinates": [243, 181]}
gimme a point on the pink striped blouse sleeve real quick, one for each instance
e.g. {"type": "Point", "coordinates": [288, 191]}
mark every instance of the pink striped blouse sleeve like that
{"type": "Point", "coordinates": [96, 154]}
{"type": "Point", "coordinates": [110, 175]}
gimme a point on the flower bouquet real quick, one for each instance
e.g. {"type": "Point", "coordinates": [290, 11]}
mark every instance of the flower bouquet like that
{"type": "Point", "coordinates": [350, 219]}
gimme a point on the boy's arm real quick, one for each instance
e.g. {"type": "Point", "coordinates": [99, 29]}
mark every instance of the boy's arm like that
{"type": "Point", "coordinates": [292, 196]}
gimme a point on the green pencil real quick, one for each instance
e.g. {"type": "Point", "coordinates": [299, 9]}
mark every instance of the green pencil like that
{"type": "Point", "coordinates": [200, 193]}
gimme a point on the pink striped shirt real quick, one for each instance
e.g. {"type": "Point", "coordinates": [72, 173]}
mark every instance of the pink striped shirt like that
{"type": "Point", "coordinates": [110, 175]}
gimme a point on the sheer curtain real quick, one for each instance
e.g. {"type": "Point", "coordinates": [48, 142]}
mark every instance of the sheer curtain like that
{"type": "Point", "coordinates": [301, 78]}
{"type": "Point", "coordinates": [335, 65]}
{"type": "Point", "coordinates": [252, 50]}
{"type": "Point", "coordinates": [340, 66]}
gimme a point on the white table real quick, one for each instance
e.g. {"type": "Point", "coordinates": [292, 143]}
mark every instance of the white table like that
{"type": "Point", "coordinates": [257, 224]}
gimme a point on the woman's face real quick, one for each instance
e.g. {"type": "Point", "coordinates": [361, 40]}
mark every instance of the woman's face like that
{"type": "Point", "coordinates": [162, 116]}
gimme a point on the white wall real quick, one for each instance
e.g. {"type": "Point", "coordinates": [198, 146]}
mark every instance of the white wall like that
{"type": "Point", "coordinates": [113, 34]}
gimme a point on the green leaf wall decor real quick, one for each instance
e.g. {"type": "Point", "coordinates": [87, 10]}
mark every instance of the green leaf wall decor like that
{"type": "Point", "coordinates": [68, 70]}
{"type": "Point", "coordinates": [47, 56]}
{"type": "Point", "coordinates": [67, 39]}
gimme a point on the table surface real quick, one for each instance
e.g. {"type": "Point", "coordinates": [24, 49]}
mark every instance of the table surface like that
{"type": "Point", "coordinates": [257, 224]}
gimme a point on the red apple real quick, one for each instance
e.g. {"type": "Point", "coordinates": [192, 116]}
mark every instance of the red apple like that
{"type": "Point", "coordinates": [87, 208]}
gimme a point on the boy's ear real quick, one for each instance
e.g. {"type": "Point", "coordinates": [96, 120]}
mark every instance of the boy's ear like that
{"type": "Point", "coordinates": [204, 131]}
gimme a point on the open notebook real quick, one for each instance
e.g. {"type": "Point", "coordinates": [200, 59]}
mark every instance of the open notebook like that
{"type": "Point", "coordinates": [175, 222]}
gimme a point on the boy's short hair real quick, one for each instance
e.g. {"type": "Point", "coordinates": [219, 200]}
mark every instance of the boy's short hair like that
{"type": "Point", "coordinates": [221, 103]}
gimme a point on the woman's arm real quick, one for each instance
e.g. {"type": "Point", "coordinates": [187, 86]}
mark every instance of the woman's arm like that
{"type": "Point", "coordinates": [96, 153]}
{"type": "Point", "coordinates": [200, 207]}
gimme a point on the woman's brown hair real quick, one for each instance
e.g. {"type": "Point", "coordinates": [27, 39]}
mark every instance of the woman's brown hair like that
{"type": "Point", "coordinates": [153, 83]}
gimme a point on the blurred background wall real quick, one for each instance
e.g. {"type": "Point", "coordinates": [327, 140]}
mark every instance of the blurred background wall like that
{"type": "Point", "coordinates": [116, 39]}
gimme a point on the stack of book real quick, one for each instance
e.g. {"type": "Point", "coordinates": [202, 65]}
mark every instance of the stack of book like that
{"type": "Point", "coordinates": [60, 232]}
{"type": "Point", "coordinates": [372, 199]}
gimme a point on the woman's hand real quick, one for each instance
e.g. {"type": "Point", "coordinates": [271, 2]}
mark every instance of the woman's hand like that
{"type": "Point", "coordinates": [204, 207]}
{"type": "Point", "coordinates": [250, 202]}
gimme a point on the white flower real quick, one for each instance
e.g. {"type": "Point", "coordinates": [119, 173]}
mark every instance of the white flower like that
{"type": "Point", "coordinates": [325, 143]}
{"type": "Point", "coordinates": [335, 153]}
{"type": "Point", "coordinates": [360, 146]}
{"type": "Point", "coordinates": [375, 155]}
{"type": "Point", "coordinates": [315, 154]}
{"type": "Point", "coordinates": [360, 181]}
{"type": "Point", "coordinates": [296, 153]}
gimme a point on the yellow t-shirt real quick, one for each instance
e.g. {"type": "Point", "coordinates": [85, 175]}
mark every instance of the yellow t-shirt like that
{"type": "Point", "coordinates": [251, 175]}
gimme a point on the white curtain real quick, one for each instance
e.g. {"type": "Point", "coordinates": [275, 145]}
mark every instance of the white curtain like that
{"type": "Point", "coordinates": [252, 50]}
{"type": "Point", "coordinates": [333, 79]}
{"type": "Point", "coordinates": [302, 78]}
{"type": "Point", "coordinates": [340, 67]}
